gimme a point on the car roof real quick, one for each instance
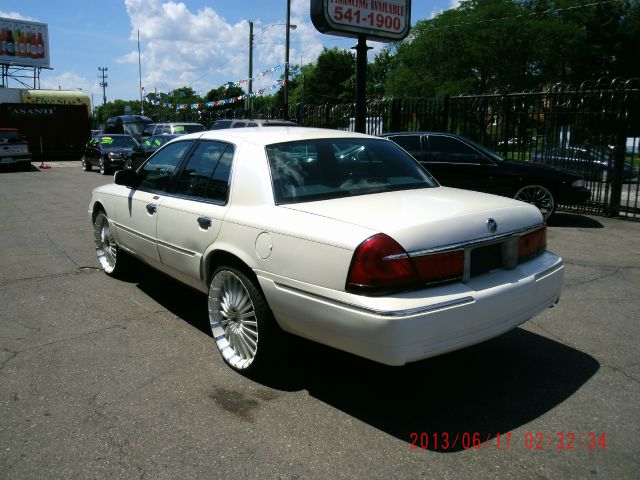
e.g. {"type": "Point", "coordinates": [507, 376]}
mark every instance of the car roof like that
{"type": "Point", "coordinates": [262, 136]}
{"type": "Point", "coordinates": [387, 134]}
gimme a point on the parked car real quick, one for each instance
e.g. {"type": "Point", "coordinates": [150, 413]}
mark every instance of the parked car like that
{"type": "Point", "coordinates": [335, 236]}
{"type": "Point", "coordinates": [251, 122]}
{"type": "Point", "coordinates": [173, 128]}
{"type": "Point", "coordinates": [127, 124]}
{"type": "Point", "coordinates": [141, 152]}
{"type": "Point", "coordinates": [458, 162]}
{"type": "Point", "coordinates": [14, 149]}
{"type": "Point", "coordinates": [107, 152]}
{"type": "Point", "coordinates": [594, 163]}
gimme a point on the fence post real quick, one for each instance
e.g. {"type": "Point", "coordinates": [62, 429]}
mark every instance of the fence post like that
{"type": "Point", "coordinates": [395, 116]}
{"type": "Point", "coordinates": [617, 173]}
{"type": "Point", "coordinates": [445, 114]}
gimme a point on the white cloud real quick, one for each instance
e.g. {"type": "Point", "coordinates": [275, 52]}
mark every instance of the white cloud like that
{"type": "Point", "coordinates": [70, 81]}
{"type": "Point", "coordinates": [16, 16]}
{"type": "Point", "coordinates": [202, 50]}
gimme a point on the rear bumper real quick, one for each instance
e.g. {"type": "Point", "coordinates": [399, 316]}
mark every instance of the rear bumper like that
{"type": "Point", "coordinates": [15, 159]}
{"type": "Point", "coordinates": [418, 325]}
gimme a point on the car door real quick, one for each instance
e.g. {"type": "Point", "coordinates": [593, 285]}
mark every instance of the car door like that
{"type": "Point", "coordinates": [456, 164]}
{"type": "Point", "coordinates": [137, 213]}
{"type": "Point", "coordinates": [189, 219]}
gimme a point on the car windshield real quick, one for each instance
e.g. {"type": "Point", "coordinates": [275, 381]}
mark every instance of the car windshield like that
{"type": "Point", "coordinates": [320, 169]}
{"type": "Point", "coordinates": [134, 128]}
{"type": "Point", "coordinates": [124, 141]}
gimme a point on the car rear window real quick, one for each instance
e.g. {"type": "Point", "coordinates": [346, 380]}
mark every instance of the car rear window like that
{"type": "Point", "coordinates": [320, 169]}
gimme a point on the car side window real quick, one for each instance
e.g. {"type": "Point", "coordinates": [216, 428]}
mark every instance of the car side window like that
{"type": "Point", "coordinates": [200, 171]}
{"type": "Point", "coordinates": [239, 125]}
{"type": "Point", "coordinates": [156, 174]}
{"type": "Point", "coordinates": [411, 143]}
{"type": "Point", "coordinates": [450, 150]}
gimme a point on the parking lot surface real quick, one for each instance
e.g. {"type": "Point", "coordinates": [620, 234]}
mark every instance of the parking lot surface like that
{"type": "Point", "coordinates": [107, 378]}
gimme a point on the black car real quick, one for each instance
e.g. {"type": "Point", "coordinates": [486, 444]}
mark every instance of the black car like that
{"type": "Point", "coordinates": [458, 162]}
{"type": "Point", "coordinates": [141, 152]}
{"type": "Point", "coordinates": [108, 152]}
{"type": "Point", "coordinates": [595, 163]}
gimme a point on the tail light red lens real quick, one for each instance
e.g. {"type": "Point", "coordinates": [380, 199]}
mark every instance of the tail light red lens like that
{"type": "Point", "coordinates": [379, 266]}
{"type": "Point", "coordinates": [532, 244]}
{"type": "Point", "coordinates": [440, 267]}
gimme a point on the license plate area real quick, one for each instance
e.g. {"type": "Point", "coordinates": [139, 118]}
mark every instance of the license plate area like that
{"type": "Point", "coordinates": [485, 258]}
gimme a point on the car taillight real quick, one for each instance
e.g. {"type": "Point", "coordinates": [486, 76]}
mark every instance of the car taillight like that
{"type": "Point", "coordinates": [532, 244]}
{"type": "Point", "coordinates": [380, 266]}
{"type": "Point", "coordinates": [440, 267]}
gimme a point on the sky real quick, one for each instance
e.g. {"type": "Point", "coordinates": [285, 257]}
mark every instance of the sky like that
{"type": "Point", "coordinates": [195, 43]}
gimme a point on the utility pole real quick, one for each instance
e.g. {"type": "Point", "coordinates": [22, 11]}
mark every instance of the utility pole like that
{"type": "Point", "coordinates": [102, 76]}
{"type": "Point", "coordinates": [249, 102]}
{"type": "Point", "coordinates": [140, 77]}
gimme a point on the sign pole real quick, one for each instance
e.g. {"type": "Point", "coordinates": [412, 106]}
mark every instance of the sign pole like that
{"type": "Point", "coordinates": [361, 84]}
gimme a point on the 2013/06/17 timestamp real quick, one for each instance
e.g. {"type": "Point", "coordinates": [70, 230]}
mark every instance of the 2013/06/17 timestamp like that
{"type": "Point", "coordinates": [442, 441]}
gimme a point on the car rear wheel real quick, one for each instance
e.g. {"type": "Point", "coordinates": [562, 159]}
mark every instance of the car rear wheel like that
{"type": "Point", "coordinates": [111, 259]}
{"type": "Point", "coordinates": [86, 166]}
{"type": "Point", "coordinates": [242, 324]}
{"type": "Point", "coordinates": [540, 196]}
{"type": "Point", "coordinates": [102, 167]}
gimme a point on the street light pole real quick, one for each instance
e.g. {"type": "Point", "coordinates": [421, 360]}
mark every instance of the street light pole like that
{"type": "Point", "coordinates": [252, 37]}
{"type": "Point", "coordinates": [286, 63]}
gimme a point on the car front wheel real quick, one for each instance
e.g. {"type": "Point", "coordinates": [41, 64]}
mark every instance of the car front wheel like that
{"type": "Point", "coordinates": [540, 196]}
{"type": "Point", "coordinates": [102, 167]}
{"type": "Point", "coordinates": [242, 324]}
{"type": "Point", "coordinates": [111, 259]}
{"type": "Point", "coordinates": [86, 166]}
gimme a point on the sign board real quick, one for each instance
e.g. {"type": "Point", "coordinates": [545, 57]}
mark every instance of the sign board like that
{"type": "Point", "coordinates": [56, 97]}
{"type": "Point", "coordinates": [24, 43]}
{"type": "Point", "coordinates": [379, 20]}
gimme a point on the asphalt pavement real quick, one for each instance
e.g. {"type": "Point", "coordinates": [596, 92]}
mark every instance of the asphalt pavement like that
{"type": "Point", "coordinates": [106, 378]}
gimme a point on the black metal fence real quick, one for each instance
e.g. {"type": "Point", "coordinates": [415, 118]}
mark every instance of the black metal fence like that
{"type": "Point", "coordinates": [591, 128]}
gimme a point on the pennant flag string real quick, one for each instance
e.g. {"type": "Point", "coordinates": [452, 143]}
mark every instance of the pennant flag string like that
{"type": "Point", "coordinates": [217, 103]}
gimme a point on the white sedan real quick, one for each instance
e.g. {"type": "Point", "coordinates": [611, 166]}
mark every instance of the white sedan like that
{"type": "Point", "coordinates": [338, 237]}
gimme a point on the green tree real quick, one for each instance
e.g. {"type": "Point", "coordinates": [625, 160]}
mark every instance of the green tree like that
{"type": "Point", "coordinates": [330, 79]}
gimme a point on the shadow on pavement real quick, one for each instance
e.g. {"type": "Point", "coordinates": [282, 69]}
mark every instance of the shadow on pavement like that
{"type": "Point", "coordinates": [479, 392]}
{"type": "Point", "coordinates": [573, 220]}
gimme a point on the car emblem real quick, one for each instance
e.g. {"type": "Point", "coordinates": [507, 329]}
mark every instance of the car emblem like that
{"type": "Point", "coordinates": [492, 226]}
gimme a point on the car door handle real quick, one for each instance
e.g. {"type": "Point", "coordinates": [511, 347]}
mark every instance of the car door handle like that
{"type": "Point", "coordinates": [151, 208]}
{"type": "Point", "coordinates": [204, 222]}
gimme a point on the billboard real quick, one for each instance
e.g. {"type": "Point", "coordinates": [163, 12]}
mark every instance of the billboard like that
{"type": "Point", "coordinates": [24, 43]}
{"type": "Point", "coordinates": [380, 20]}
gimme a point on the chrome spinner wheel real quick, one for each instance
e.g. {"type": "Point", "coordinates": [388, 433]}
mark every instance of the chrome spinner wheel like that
{"type": "Point", "coordinates": [236, 312]}
{"type": "Point", "coordinates": [539, 196]}
{"type": "Point", "coordinates": [106, 247]}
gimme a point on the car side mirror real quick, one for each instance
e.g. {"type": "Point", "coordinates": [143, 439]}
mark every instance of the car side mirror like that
{"type": "Point", "coordinates": [128, 178]}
